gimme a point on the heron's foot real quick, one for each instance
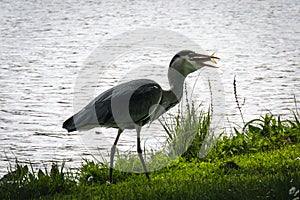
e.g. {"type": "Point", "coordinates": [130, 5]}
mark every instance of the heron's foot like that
{"type": "Point", "coordinates": [147, 175]}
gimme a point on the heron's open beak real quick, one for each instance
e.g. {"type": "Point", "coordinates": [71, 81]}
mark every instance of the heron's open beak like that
{"type": "Point", "coordinates": [202, 58]}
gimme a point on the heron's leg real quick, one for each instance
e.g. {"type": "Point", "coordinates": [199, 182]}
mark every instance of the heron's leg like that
{"type": "Point", "coordinates": [112, 155]}
{"type": "Point", "coordinates": [139, 150]}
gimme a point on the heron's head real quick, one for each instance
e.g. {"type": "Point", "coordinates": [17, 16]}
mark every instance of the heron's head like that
{"type": "Point", "coordinates": [187, 61]}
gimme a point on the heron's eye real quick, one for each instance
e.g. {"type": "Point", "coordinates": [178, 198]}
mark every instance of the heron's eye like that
{"type": "Point", "coordinates": [191, 54]}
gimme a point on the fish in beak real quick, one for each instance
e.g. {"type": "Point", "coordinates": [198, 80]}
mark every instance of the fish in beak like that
{"type": "Point", "coordinates": [200, 59]}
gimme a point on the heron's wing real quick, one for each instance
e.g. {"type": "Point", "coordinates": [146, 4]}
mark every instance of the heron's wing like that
{"type": "Point", "coordinates": [132, 102]}
{"type": "Point", "coordinates": [144, 102]}
{"type": "Point", "coordinates": [168, 100]}
{"type": "Point", "coordinates": [120, 106]}
{"type": "Point", "coordinates": [87, 117]}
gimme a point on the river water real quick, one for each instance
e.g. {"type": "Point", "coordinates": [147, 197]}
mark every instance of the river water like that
{"type": "Point", "coordinates": [45, 45]}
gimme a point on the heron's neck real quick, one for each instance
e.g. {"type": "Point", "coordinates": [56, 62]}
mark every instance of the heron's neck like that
{"type": "Point", "coordinates": [176, 81]}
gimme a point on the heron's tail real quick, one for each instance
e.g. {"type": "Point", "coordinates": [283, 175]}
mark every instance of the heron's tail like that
{"type": "Point", "coordinates": [69, 124]}
{"type": "Point", "coordinates": [84, 119]}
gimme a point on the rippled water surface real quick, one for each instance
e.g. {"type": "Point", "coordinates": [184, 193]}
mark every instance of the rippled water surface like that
{"type": "Point", "coordinates": [45, 44]}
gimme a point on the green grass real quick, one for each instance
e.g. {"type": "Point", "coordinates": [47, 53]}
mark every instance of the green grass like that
{"type": "Point", "coordinates": [261, 161]}
{"type": "Point", "coordinates": [263, 134]}
{"type": "Point", "coordinates": [187, 130]}
{"type": "Point", "coordinates": [24, 182]}
{"type": "Point", "coordinates": [263, 175]}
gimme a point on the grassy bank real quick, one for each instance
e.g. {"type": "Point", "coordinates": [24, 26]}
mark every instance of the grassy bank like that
{"type": "Point", "coordinates": [263, 175]}
{"type": "Point", "coordinates": [262, 161]}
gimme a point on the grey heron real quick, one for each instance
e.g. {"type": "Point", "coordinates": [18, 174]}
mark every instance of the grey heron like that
{"type": "Point", "coordinates": [132, 104]}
